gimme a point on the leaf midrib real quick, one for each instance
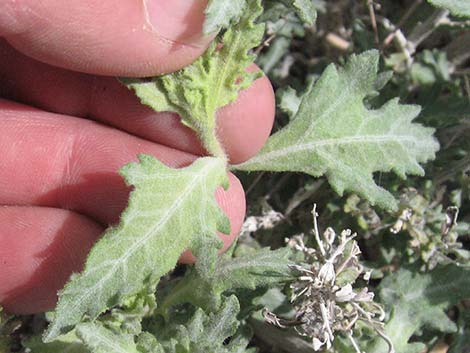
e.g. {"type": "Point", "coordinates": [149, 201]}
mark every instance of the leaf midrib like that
{"type": "Point", "coordinates": [160, 223]}
{"type": "Point", "coordinates": [282, 152]}
{"type": "Point", "coordinates": [225, 66]}
{"type": "Point", "coordinates": [108, 343]}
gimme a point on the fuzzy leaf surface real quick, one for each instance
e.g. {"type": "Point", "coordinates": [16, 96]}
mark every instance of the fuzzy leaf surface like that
{"type": "Point", "coordinates": [456, 7]}
{"type": "Point", "coordinates": [419, 301]}
{"type": "Point", "coordinates": [461, 338]}
{"type": "Point", "coordinates": [289, 101]}
{"type": "Point", "coordinates": [68, 343]}
{"type": "Point", "coordinates": [213, 275]}
{"type": "Point", "coordinates": [204, 333]}
{"type": "Point", "coordinates": [336, 135]}
{"type": "Point", "coordinates": [220, 13]}
{"type": "Point", "coordinates": [167, 211]}
{"type": "Point", "coordinates": [100, 339]}
{"type": "Point", "coordinates": [305, 10]}
{"type": "Point", "coordinates": [211, 82]}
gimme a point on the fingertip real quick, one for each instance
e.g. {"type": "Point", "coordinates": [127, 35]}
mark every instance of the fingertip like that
{"type": "Point", "coordinates": [39, 248]}
{"type": "Point", "coordinates": [233, 204]}
{"type": "Point", "coordinates": [134, 38]}
{"type": "Point", "coordinates": [245, 125]}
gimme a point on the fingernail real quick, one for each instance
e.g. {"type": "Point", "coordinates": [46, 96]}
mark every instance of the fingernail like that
{"type": "Point", "coordinates": [177, 20]}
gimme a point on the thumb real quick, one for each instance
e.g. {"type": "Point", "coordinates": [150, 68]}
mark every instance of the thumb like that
{"type": "Point", "coordinates": [107, 37]}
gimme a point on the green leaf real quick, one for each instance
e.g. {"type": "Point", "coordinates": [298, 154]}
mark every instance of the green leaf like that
{"type": "Point", "coordinates": [203, 333]}
{"type": "Point", "coordinates": [213, 275]}
{"type": "Point", "coordinates": [461, 339]}
{"type": "Point", "coordinates": [68, 343]}
{"type": "Point", "coordinates": [305, 10]}
{"type": "Point", "coordinates": [289, 101]}
{"type": "Point", "coordinates": [220, 13]}
{"type": "Point", "coordinates": [147, 343]}
{"type": "Point", "coordinates": [211, 82]}
{"type": "Point", "coordinates": [335, 134]}
{"type": "Point", "coordinates": [168, 211]}
{"type": "Point", "coordinates": [128, 316]}
{"type": "Point", "coordinates": [419, 301]}
{"type": "Point", "coordinates": [100, 339]}
{"type": "Point", "coordinates": [208, 331]}
{"type": "Point", "coordinates": [456, 7]}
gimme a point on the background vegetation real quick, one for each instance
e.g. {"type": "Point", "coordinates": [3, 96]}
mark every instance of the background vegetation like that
{"type": "Point", "coordinates": [414, 259]}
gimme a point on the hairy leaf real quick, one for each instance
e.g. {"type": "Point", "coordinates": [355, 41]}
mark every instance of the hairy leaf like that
{"type": "Point", "coordinates": [159, 223]}
{"type": "Point", "coordinates": [204, 333]}
{"type": "Point", "coordinates": [220, 13]}
{"type": "Point", "coordinates": [304, 9]}
{"type": "Point", "coordinates": [102, 340]}
{"type": "Point", "coordinates": [289, 101]}
{"type": "Point", "coordinates": [335, 134]}
{"type": "Point", "coordinates": [456, 7]}
{"type": "Point", "coordinates": [419, 301]}
{"type": "Point", "coordinates": [204, 284]}
{"type": "Point", "coordinates": [128, 316]}
{"type": "Point", "coordinates": [68, 343]}
{"type": "Point", "coordinates": [211, 82]}
{"type": "Point", "coordinates": [461, 339]}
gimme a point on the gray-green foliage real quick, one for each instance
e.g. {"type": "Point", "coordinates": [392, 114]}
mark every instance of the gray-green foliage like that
{"type": "Point", "coordinates": [157, 226]}
{"type": "Point", "coordinates": [103, 340]}
{"type": "Point", "coordinates": [461, 338]}
{"type": "Point", "coordinates": [456, 7]}
{"type": "Point", "coordinates": [220, 13]}
{"type": "Point", "coordinates": [211, 82]}
{"type": "Point", "coordinates": [289, 101]}
{"type": "Point", "coordinates": [282, 25]}
{"type": "Point", "coordinates": [335, 134]}
{"type": "Point", "coordinates": [68, 343]}
{"type": "Point", "coordinates": [305, 9]}
{"type": "Point", "coordinates": [333, 131]}
{"type": "Point", "coordinates": [205, 283]}
{"type": "Point", "coordinates": [204, 333]}
{"type": "Point", "coordinates": [418, 301]}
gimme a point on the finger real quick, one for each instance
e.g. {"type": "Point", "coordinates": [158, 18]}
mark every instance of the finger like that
{"type": "Point", "coordinates": [39, 249]}
{"type": "Point", "coordinates": [243, 126]}
{"type": "Point", "coordinates": [57, 161]}
{"type": "Point", "coordinates": [234, 207]}
{"type": "Point", "coordinates": [128, 38]}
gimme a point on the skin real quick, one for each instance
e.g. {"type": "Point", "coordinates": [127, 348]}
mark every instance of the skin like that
{"type": "Point", "coordinates": [67, 126]}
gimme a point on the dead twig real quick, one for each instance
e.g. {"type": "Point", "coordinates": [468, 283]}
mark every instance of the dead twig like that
{"type": "Point", "coordinates": [373, 20]}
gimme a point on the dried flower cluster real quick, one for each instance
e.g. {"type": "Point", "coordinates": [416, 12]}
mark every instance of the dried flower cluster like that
{"type": "Point", "coordinates": [323, 296]}
{"type": "Point", "coordinates": [268, 220]}
{"type": "Point", "coordinates": [433, 231]}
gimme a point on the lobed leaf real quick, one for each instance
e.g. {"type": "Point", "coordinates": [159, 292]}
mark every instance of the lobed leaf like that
{"type": "Point", "coordinates": [168, 211]}
{"type": "Point", "coordinates": [205, 333]}
{"type": "Point", "coordinates": [100, 339]}
{"type": "Point", "coordinates": [220, 13]}
{"type": "Point", "coordinates": [456, 7]}
{"type": "Point", "coordinates": [289, 101]}
{"type": "Point", "coordinates": [305, 10]}
{"type": "Point", "coordinates": [461, 338]}
{"type": "Point", "coordinates": [68, 343]}
{"type": "Point", "coordinates": [336, 135]}
{"type": "Point", "coordinates": [419, 301]}
{"type": "Point", "coordinates": [213, 275]}
{"type": "Point", "coordinates": [211, 82]}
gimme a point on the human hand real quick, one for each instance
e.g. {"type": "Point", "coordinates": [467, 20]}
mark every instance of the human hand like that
{"type": "Point", "coordinates": [66, 129]}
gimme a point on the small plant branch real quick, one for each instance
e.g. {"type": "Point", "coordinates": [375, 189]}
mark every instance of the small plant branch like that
{"type": "Point", "coordinates": [400, 23]}
{"type": "Point", "coordinates": [315, 231]}
{"type": "Point", "coordinates": [425, 29]}
{"type": "Point", "coordinates": [373, 20]}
